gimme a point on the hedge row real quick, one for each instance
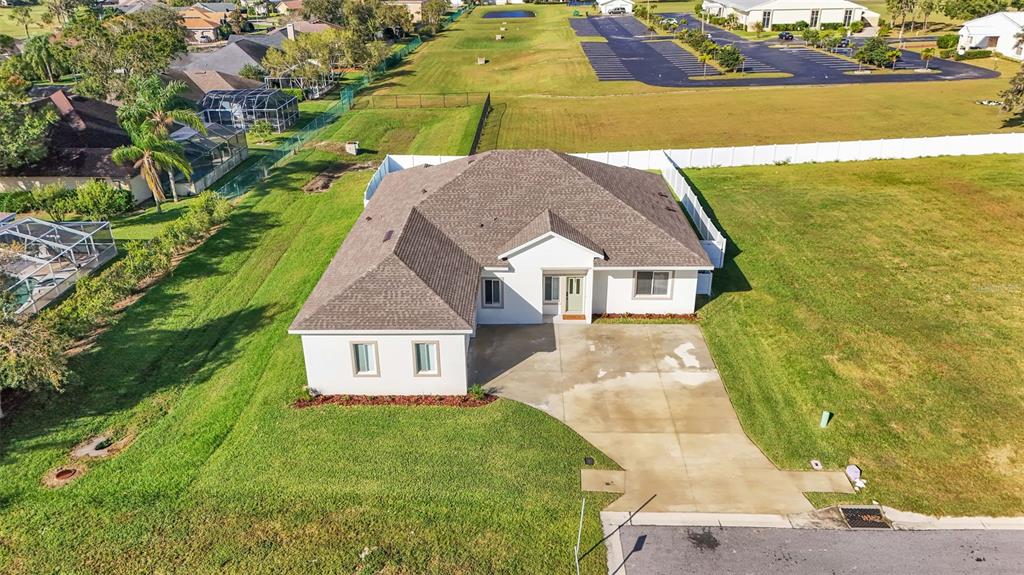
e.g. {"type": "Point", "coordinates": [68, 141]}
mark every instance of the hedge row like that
{"type": "Point", "coordinates": [974, 54]}
{"type": "Point", "coordinates": [96, 199]}
{"type": "Point", "coordinates": [947, 41]}
{"type": "Point", "coordinates": [92, 303]}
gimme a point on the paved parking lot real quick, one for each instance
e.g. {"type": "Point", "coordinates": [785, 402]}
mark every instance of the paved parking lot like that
{"type": "Point", "coordinates": [630, 52]}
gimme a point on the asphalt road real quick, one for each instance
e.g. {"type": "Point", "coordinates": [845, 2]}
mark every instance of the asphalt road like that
{"type": "Point", "coordinates": [743, 550]}
{"type": "Point", "coordinates": [629, 54]}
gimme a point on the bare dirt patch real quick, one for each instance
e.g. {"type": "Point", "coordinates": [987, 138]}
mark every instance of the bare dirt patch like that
{"type": "Point", "coordinates": [100, 446]}
{"type": "Point", "coordinates": [322, 181]}
{"type": "Point", "coordinates": [403, 400]}
{"type": "Point", "coordinates": [62, 475]}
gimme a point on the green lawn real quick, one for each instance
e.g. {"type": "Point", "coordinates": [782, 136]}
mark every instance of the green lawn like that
{"type": "Point", "coordinates": [12, 28]}
{"type": "Point", "coordinates": [547, 95]}
{"type": "Point", "coordinates": [890, 294]}
{"type": "Point", "coordinates": [447, 131]}
{"type": "Point", "coordinates": [225, 476]}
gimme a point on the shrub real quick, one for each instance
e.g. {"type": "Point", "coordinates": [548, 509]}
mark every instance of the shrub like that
{"type": "Point", "coordinates": [99, 200]}
{"type": "Point", "coordinates": [297, 92]}
{"type": "Point", "coordinates": [974, 54]}
{"type": "Point", "coordinates": [856, 27]}
{"type": "Point", "coordinates": [832, 26]}
{"type": "Point", "coordinates": [794, 27]}
{"type": "Point", "coordinates": [811, 36]}
{"type": "Point", "coordinates": [477, 392]}
{"type": "Point", "coordinates": [16, 201]}
{"type": "Point", "coordinates": [947, 53]}
{"type": "Point", "coordinates": [55, 199]}
{"type": "Point", "coordinates": [730, 58]}
{"type": "Point", "coordinates": [947, 41]}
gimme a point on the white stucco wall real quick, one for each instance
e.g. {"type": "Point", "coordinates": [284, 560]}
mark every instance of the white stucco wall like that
{"type": "Point", "coordinates": [523, 284]}
{"type": "Point", "coordinates": [613, 293]}
{"type": "Point", "coordinates": [329, 369]}
{"type": "Point", "coordinates": [607, 7]}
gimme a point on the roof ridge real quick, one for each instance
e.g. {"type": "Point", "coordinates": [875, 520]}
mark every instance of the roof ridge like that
{"type": "Point", "coordinates": [564, 158]}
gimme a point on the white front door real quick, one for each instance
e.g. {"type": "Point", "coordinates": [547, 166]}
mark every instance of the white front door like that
{"type": "Point", "coordinates": [573, 294]}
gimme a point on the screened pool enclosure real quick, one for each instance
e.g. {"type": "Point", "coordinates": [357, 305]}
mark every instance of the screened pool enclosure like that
{"type": "Point", "coordinates": [40, 260]}
{"type": "Point", "coordinates": [243, 108]}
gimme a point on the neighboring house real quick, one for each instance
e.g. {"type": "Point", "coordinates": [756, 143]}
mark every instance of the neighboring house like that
{"type": "Point", "coordinates": [87, 132]}
{"type": "Point", "coordinates": [243, 108]}
{"type": "Point", "coordinates": [202, 30]}
{"type": "Point", "coordinates": [229, 59]}
{"type": "Point", "coordinates": [615, 6]}
{"type": "Point", "coordinates": [133, 6]}
{"type": "Point", "coordinates": [814, 12]}
{"type": "Point", "coordinates": [415, 7]}
{"type": "Point", "coordinates": [79, 144]}
{"type": "Point", "coordinates": [997, 32]}
{"type": "Point", "coordinates": [199, 83]}
{"type": "Point", "coordinates": [289, 7]}
{"type": "Point", "coordinates": [503, 237]}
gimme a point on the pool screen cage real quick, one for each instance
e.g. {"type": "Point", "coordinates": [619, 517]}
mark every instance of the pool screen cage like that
{"type": "Point", "coordinates": [40, 260]}
{"type": "Point", "coordinates": [243, 108]}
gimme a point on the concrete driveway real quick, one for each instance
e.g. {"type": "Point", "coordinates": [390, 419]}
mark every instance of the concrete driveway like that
{"type": "Point", "coordinates": [650, 397]}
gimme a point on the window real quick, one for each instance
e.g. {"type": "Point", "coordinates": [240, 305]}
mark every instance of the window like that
{"type": "Point", "coordinates": [492, 292]}
{"type": "Point", "coordinates": [766, 19]}
{"type": "Point", "coordinates": [847, 17]}
{"type": "Point", "coordinates": [425, 357]}
{"type": "Point", "coordinates": [651, 284]}
{"type": "Point", "coordinates": [364, 358]}
{"type": "Point", "coordinates": [815, 16]}
{"type": "Point", "coordinates": [550, 289]}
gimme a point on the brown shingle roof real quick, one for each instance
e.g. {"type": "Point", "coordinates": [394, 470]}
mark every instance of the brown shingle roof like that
{"type": "Point", "coordinates": [413, 259]}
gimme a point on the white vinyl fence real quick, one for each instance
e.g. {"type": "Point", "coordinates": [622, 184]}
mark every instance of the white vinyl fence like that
{"type": "Point", "coordinates": [820, 152]}
{"type": "Point", "coordinates": [671, 162]}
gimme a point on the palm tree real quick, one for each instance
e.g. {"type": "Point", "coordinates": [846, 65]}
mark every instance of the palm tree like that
{"type": "Point", "coordinates": [22, 15]}
{"type": "Point", "coordinates": [150, 152]}
{"type": "Point", "coordinates": [156, 107]}
{"type": "Point", "coordinates": [704, 59]}
{"type": "Point", "coordinates": [38, 54]}
{"type": "Point", "coordinates": [927, 54]}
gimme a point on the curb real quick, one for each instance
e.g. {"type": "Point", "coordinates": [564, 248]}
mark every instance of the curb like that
{"type": "Point", "coordinates": [901, 520]}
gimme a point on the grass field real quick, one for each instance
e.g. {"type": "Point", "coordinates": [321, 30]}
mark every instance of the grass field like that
{"type": "Point", "coordinates": [890, 294]}
{"type": "Point", "coordinates": [411, 131]}
{"type": "Point", "coordinates": [546, 95]}
{"type": "Point", "coordinates": [225, 476]}
{"type": "Point", "coordinates": [12, 28]}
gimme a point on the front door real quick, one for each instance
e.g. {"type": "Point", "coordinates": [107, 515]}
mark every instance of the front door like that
{"type": "Point", "coordinates": [573, 294]}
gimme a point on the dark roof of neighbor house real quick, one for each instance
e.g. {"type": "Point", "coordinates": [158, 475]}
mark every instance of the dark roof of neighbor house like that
{"type": "Point", "coordinates": [198, 83]}
{"type": "Point", "coordinates": [81, 140]}
{"type": "Point", "coordinates": [413, 259]}
{"type": "Point", "coordinates": [229, 59]}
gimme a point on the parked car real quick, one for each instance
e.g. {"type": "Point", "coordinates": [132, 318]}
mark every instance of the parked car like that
{"type": "Point", "coordinates": [843, 43]}
{"type": "Point", "coordinates": [619, 10]}
{"type": "Point", "coordinates": [785, 36]}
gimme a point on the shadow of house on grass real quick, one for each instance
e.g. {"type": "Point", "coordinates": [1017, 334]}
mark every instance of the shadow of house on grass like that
{"type": "Point", "coordinates": [728, 278]}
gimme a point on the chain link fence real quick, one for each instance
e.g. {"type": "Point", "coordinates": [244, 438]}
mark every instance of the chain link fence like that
{"type": "Point", "coordinates": [245, 178]}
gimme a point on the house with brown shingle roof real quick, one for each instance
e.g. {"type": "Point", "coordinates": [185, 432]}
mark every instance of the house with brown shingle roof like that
{"type": "Point", "coordinates": [502, 237]}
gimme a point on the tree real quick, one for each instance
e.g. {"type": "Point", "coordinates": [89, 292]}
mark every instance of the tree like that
{"type": "Point", "coordinates": [1013, 97]}
{"type": "Point", "coordinates": [811, 36]}
{"type": "Point", "coordinates": [758, 29]}
{"type": "Point", "coordinates": [253, 72]}
{"type": "Point", "coordinates": [874, 52]}
{"type": "Point", "coordinates": [396, 18]}
{"type": "Point", "coordinates": [927, 7]}
{"type": "Point", "coordinates": [260, 131]}
{"type": "Point", "coordinates": [236, 21]}
{"type": "Point", "coordinates": [156, 107]}
{"type": "Point", "coordinates": [108, 53]}
{"type": "Point", "coordinates": [926, 55]}
{"type": "Point", "coordinates": [7, 45]}
{"type": "Point", "coordinates": [22, 15]}
{"type": "Point", "coordinates": [57, 200]}
{"type": "Point", "coordinates": [150, 152]}
{"type": "Point", "coordinates": [22, 129]}
{"type": "Point", "coordinates": [892, 56]}
{"type": "Point", "coordinates": [969, 9]}
{"type": "Point", "coordinates": [704, 58]}
{"type": "Point", "coordinates": [62, 10]}
{"type": "Point", "coordinates": [432, 13]}
{"type": "Point", "coordinates": [730, 58]}
{"type": "Point", "coordinates": [31, 356]}
{"type": "Point", "coordinates": [331, 11]}
{"type": "Point", "coordinates": [46, 59]}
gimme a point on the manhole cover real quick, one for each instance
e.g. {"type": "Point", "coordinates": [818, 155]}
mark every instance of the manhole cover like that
{"type": "Point", "coordinates": [864, 518]}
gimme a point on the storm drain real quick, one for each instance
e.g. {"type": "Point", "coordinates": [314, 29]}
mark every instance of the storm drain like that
{"type": "Point", "coordinates": [864, 518]}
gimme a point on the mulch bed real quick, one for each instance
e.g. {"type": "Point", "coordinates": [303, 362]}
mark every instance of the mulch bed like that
{"type": "Point", "coordinates": [403, 400]}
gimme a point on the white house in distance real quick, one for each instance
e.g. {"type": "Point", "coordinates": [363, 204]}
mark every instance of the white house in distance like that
{"type": "Point", "coordinates": [615, 6]}
{"type": "Point", "coordinates": [502, 237]}
{"type": "Point", "coordinates": [814, 12]}
{"type": "Point", "coordinates": [997, 32]}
